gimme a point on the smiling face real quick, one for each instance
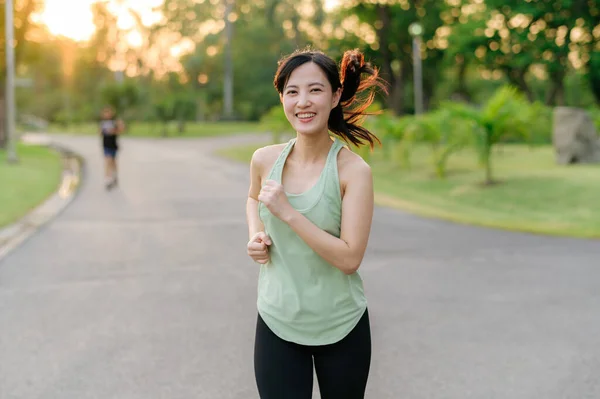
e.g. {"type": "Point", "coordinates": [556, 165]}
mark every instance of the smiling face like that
{"type": "Point", "coordinates": [308, 99]}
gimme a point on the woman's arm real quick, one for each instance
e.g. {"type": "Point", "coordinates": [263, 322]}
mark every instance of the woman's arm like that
{"type": "Point", "coordinates": [258, 245]}
{"type": "Point", "coordinates": [345, 253]}
{"type": "Point", "coordinates": [254, 223]}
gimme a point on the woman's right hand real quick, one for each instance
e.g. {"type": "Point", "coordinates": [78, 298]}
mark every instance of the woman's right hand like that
{"type": "Point", "coordinates": [258, 247]}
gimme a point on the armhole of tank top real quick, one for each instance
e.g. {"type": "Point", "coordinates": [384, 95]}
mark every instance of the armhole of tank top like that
{"type": "Point", "coordinates": [279, 159]}
{"type": "Point", "coordinates": [336, 174]}
{"type": "Point", "coordinates": [261, 206]}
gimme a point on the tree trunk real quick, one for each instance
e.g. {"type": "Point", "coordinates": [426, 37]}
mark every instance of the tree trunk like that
{"type": "Point", "coordinates": [488, 172]}
{"type": "Point", "coordinates": [20, 33]}
{"type": "Point", "coordinates": [429, 85]}
{"type": "Point", "coordinates": [228, 78]}
{"type": "Point", "coordinates": [270, 12]}
{"type": "Point", "coordinates": [395, 98]}
{"type": "Point", "coordinates": [516, 77]}
{"type": "Point", "coordinates": [461, 86]}
{"type": "Point", "coordinates": [298, 42]}
{"type": "Point", "coordinates": [487, 158]}
{"type": "Point", "coordinates": [556, 92]}
{"type": "Point", "coordinates": [594, 74]}
{"type": "Point", "coordinates": [2, 120]}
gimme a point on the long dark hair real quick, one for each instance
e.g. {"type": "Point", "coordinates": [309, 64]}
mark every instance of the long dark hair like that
{"type": "Point", "coordinates": [355, 77]}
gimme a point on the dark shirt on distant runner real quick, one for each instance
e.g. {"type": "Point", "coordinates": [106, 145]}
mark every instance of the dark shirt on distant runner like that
{"type": "Point", "coordinates": [109, 136]}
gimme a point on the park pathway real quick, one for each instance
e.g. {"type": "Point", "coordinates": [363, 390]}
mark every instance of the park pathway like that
{"type": "Point", "coordinates": [145, 292]}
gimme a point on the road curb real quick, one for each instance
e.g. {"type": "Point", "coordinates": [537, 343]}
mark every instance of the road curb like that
{"type": "Point", "coordinates": [15, 234]}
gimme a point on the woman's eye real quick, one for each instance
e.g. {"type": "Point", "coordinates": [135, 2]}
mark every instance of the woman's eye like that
{"type": "Point", "coordinates": [316, 89]}
{"type": "Point", "coordinates": [291, 92]}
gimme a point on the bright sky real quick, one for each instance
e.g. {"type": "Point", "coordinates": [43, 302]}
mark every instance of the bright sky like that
{"type": "Point", "coordinates": [73, 18]}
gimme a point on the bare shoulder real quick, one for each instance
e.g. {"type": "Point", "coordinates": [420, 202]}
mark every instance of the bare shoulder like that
{"type": "Point", "coordinates": [264, 157]}
{"type": "Point", "coordinates": [352, 169]}
{"type": "Point", "coordinates": [352, 165]}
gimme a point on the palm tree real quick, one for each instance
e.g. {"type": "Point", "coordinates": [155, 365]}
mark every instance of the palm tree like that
{"type": "Point", "coordinates": [504, 116]}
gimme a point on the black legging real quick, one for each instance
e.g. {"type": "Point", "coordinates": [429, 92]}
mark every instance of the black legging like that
{"type": "Point", "coordinates": [284, 370]}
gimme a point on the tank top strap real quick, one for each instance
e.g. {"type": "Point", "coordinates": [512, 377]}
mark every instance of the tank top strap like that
{"type": "Point", "coordinates": [277, 168]}
{"type": "Point", "coordinates": [332, 179]}
{"type": "Point", "coordinates": [336, 147]}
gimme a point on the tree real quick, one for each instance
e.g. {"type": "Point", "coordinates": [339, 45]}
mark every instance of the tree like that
{"type": "Point", "coordinates": [188, 19]}
{"type": "Point", "coordinates": [122, 97]}
{"type": "Point", "coordinates": [184, 109]}
{"type": "Point", "coordinates": [520, 34]}
{"type": "Point", "coordinates": [23, 9]}
{"type": "Point", "coordinates": [505, 115]}
{"type": "Point", "coordinates": [589, 12]}
{"type": "Point", "coordinates": [392, 49]}
{"type": "Point", "coordinates": [264, 31]}
{"type": "Point", "coordinates": [594, 74]}
{"type": "Point", "coordinates": [443, 132]}
{"type": "Point", "coordinates": [464, 20]}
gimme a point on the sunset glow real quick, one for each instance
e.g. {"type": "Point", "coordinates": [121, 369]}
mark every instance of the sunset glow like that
{"type": "Point", "coordinates": [74, 18]}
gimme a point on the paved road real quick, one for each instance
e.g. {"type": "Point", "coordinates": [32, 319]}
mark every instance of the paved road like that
{"type": "Point", "coordinates": [146, 292]}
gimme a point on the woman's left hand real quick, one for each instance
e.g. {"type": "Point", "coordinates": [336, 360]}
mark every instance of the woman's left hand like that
{"type": "Point", "coordinates": [274, 198]}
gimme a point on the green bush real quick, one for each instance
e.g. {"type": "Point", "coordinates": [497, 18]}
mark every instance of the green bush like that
{"type": "Point", "coordinates": [123, 97]}
{"type": "Point", "coordinates": [382, 125]}
{"type": "Point", "coordinates": [164, 110]}
{"type": "Point", "coordinates": [443, 131]}
{"type": "Point", "coordinates": [276, 122]}
{"type": "Point", "coordinates": [391, 130]}
{"type": "Point", "coordinates": [539, 117]}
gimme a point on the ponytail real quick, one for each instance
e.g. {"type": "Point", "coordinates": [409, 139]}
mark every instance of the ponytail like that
{"type": "Point", "coordinates": [346, 118]}
{"type": "Point", "coordinates": [357, 80]}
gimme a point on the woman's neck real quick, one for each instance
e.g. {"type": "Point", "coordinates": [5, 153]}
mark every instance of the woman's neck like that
{"type": "Point", "coordinates": [312, 148]}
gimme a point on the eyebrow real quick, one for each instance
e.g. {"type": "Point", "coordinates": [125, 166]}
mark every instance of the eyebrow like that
{"type": "Point", "coordinates": [310, 84]}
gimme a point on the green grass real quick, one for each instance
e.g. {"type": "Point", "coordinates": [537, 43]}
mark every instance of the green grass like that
{"type": "Point", "coordinates": [146, 129]}
{"type": "Point", "coordinates": [27, 183]}
{"type": "Point", "coordinates": [534, 194]}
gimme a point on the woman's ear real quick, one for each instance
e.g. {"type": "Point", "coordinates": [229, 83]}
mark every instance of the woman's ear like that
{"type": "Point", "coordinates": [281, 98]}
{"type": "Point", "coordinates": [336, 98]}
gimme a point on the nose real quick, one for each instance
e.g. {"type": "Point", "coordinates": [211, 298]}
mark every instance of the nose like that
{"type": "Point", "coordinates": [303, 99]}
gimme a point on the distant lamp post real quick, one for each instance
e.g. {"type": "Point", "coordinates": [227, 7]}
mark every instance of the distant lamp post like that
{"type": "Point", "coordinates": [416, 31]}
{"type": "Point", "coordinates": [11, 153]}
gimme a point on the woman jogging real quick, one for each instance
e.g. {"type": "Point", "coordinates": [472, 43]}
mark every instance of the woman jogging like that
{"type": "Point", "coordinates": [309, 212]}
{"type": "Point", "coordinates": [110, 128]}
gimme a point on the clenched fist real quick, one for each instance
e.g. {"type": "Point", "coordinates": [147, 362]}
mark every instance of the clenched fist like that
{"type": "Point", "coordinates": [258, 247]}
{"type": "Point", "coordinates": [275, 199]}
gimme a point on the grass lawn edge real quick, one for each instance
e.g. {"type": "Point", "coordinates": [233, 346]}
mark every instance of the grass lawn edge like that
{"type": "Point", "coordinates": [390, 201]}
{"type": "Point", "coordinates": [15, 219]}
{"type": "Point", "coordinates": [385, 200]}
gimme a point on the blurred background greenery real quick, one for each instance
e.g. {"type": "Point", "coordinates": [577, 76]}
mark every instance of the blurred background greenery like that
{"type": "Point", "coordinates": [493, 71]}
{"type": "Point", "coordinates": [185, 61]}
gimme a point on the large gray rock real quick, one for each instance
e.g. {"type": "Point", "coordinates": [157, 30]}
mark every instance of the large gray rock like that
{"type": "Point", "coordinates": [574, 136]}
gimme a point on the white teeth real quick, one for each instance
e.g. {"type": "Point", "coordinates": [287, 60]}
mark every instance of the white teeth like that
{"type": "Point", "coordinates": [308, 115]}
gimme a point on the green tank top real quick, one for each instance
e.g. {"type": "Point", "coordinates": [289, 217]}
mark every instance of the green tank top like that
{"type": "Point", "coordinates": [301, 297]}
